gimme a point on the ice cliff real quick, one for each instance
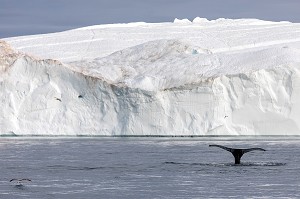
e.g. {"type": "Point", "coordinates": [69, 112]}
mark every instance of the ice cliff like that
{"type": "Point", "coordinates": [221, 77]}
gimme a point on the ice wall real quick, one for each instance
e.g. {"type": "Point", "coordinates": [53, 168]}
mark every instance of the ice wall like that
{"type": "Point", "coordinates": [199, 77]}
{"type": "Point", "coordinates": [46, 97]}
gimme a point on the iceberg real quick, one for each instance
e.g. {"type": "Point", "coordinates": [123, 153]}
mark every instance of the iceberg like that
{"type": "Point", "coordinates": [224, 77]}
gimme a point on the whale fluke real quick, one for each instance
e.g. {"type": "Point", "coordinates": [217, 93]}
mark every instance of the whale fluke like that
{"type": "Point", "coordinates": [237, 153]}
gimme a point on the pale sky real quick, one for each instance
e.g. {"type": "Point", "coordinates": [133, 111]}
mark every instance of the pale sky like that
{"type": "Point", "coordinates": [25, 17]}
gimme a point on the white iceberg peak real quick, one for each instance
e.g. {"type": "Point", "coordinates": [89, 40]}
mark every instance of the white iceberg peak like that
{"type": "Point", "coordinates": [182, 21]}
{"type": "Point", "coordinates": [200, 20]}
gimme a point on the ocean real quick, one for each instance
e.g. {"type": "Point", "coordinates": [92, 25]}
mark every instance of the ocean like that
{"type": "Point", "coordinates": [129, 168]}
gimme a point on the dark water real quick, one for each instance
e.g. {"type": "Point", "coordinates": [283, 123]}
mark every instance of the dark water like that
{"type": "Point", "coordinates": [148, 168]}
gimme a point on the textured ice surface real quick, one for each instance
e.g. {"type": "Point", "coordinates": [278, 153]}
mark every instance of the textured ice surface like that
{"type": "Point", "coordinates": [220, 77]}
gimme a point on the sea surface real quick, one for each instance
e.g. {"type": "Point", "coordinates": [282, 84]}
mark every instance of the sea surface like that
{"type": "Point", "coordinates": [130, 168]}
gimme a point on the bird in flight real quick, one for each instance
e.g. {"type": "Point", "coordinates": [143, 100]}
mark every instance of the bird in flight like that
{"type": "Point", "coordinates": [19, 182]}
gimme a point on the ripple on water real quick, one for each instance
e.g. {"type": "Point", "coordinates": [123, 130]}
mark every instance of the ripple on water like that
{"type": "Point", "coordinates": [228, 164]}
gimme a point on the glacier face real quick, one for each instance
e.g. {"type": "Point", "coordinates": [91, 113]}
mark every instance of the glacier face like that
{"type": "Point", "coordinates": [165, 86]}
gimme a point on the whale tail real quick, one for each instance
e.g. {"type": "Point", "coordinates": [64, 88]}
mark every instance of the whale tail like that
{"type": "Point", "coordinates": [237, 153]}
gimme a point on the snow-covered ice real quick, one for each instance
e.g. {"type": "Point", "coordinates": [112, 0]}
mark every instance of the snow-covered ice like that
{"type": "Point", "coordinates": [199, 77]}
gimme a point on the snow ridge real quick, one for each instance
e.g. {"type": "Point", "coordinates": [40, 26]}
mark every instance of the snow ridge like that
{"type": "Point", "coordinates": [150, 66]}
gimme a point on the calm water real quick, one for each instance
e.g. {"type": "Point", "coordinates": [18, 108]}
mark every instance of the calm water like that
{"type": "Point", "coordinates": [148, 168]}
